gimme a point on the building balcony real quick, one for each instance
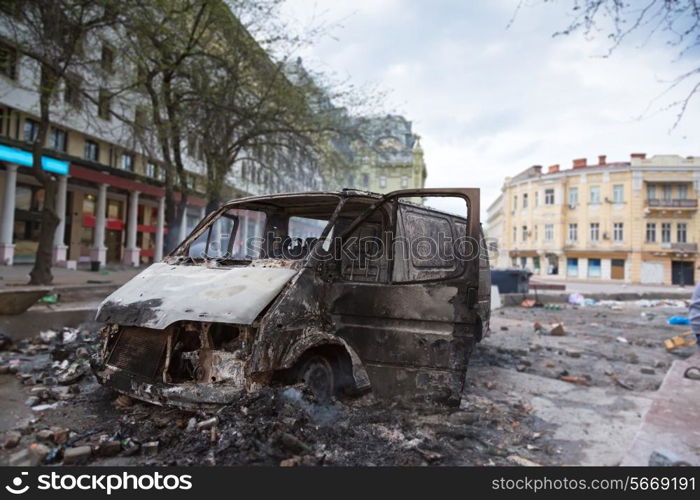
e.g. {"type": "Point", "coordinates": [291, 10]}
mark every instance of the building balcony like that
{"type": "Point", "coordinates": [672, 203]}
{"type": "Point", "coordinates": [680, 247]}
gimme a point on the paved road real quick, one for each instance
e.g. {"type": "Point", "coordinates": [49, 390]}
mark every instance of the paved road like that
{"type": "Point", "coordinates": [19, 275]}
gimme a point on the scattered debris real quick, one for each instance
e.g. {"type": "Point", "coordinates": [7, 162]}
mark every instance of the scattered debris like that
{"type": "Point", "coordinates": [522, 461]}
{"type": "Point", "coordinates": [12, 439]}
{"type": "Point", "coordinates": [123, 401]}
{"type": "Point", "coordinates": [5, 341]}
{"type": "Point", "coordinates": [576, 299]}
{"type": "Point", "coordinates": [572, 379]}
{"type": "Point", "coordinates": [150, 448]}
{"type": "Point", "coordinates": [678, 321]}
{"type": "Point", "coordinates": [76, 456]}
{"type": "Point", "coordinates": [557, 330]}
{"type": "Point", "coordinates": [685, 339]}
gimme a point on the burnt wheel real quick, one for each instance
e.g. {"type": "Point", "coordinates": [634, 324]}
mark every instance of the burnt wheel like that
{"type": "Point", "coordinates": [317, 373]}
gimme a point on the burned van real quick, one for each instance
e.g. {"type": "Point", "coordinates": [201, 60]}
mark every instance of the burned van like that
{"type": "Point", "coordinates": [345, 292]}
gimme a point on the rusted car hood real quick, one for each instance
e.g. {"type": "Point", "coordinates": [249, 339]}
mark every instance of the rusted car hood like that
{"type": "Point", "coordinates": [164, 293]}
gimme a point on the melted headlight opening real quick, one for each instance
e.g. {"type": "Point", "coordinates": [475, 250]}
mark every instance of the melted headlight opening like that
{"type": "Point", "coordinates": [184, 352]}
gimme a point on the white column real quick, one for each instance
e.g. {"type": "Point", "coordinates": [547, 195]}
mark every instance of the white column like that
{"type": "Point", "coordinates": [160, 231]}
{"type": "Point", "coordinates": [183, 226]}
{"type": "Point", "coordinates": [98, 252]}
{"type": "Point", "coordinates": [132, 254]}
{"type": "Point", "coordinates": [7, 247]}
{"type": "Point", "coordinates": [59, 243]}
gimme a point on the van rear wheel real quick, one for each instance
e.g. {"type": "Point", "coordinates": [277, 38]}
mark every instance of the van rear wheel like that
{"type": "Point", "coordinates": [317, 374]}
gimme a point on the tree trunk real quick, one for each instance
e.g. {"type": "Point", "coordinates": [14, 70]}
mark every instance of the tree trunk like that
{"type": "Point", "coordinates": [41, 272]}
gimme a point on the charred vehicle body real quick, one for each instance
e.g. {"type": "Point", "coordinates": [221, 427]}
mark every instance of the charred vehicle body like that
{"type": "Point", "coordinates": [343, 291]}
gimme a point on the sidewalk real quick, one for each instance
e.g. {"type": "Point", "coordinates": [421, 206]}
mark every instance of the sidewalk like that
{"type": "Point", "coordinates": [598, 286]}
{"type": "Point", "coordinates": [18, 275]}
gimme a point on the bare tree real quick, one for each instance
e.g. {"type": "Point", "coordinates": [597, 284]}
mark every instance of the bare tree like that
{"type": "Point", "coordinates": [675, 22]}
{"type": "Point", "coordinates": [162, 39]}
{"type": "Point", "coordinates": [51, 33]}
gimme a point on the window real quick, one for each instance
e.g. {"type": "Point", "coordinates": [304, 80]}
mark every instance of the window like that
{"type": "Point", "coordinates": [515, 203]}
{"type": "Point", "coordinates": [572, 267]}
{"type": "Point", "coordinates": [382, 181]}
{"type": "Point", "coordinates": [618, 232]}
{"type": "Point", "coordinates": [418, 260]}
{"type": "Point", "coordinates": [666, 232]}
{"type": "Point", "coordinates": [127, 162]}
{"type": "Point", "coordinates": [107, 59]}
{"type": "Point", "coordinates": [549, 232]}
{"type": "Point", "coordinates": [524, 233]}
{"type": "Point", "coordinates": [682, 232]}
{"type": "Point", "coordinates": [536, 233]}
{"type": "Point", "coordinates": [191, 181]}
{"type": "Point", "coordinates": [89, 204]}
{"type": "Point", "coordinates": [523, 262]}
{"type": "Point", "coordinates": [537, 198]}
{"type": "Point", "coordinates": [92, 151]}
{"type": "Point", "coordinates": [651, 232]}
{"type": "Point", "coordinates": [651, 191]}
{"type": "Point", "coordinates": [594, 195]}
{"type": "Point", "coordinates": [594, 268]}
{"type": "Point", "coordinates": [365, 180]}
{"type": "Point", "coordinates": [549, 196]}
{"type": "Point", "coordinates": [515, 234]}
{"type": "Point", "coordinates": [8, 61]}
{"type": "Point", "coordinates": [668, 192]}
{"type": "Point", "coordinates": [573, 232]}
{"type": "Point", "coordinates": [573, 196]}
{"type": "Point", "coordinates": [31, 129]}
{"type": "Point", "coordinates": [595, 231]}
{"type": "Point", "coordinates": [683, 191]}
{"type": "Point", "coordinates": [151, 169]}
{"type": "Point", "coordinates": [525, 200]}
{"type": "Point", "coordinates": [114, 209]}
{"type": "Point", "coordinates": [404, 181]}
{"type": "Point", "coordinates": [618, 193]}
{"type": "Point", "coordinates": [71, 91]}
{"type": "Point", "coordinates": [104, 103]}
{"type": "Point", "coordinates": [58, 139]}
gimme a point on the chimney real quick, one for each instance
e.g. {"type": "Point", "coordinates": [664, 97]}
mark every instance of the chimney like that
{"type": "Point", "coordinates": [553, 169]}
{"type": "Point", "coordinates": [580, 163]}
{"type": "Point", "coordinates": [640, 156]}
{"type": "Point", "coordinates": [601, 160]}
{"type": "Point", "coordinates": [537, 169]}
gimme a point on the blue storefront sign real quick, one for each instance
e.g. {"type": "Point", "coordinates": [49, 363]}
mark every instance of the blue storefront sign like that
{"type": "Point", "coordinates": [24, 158]}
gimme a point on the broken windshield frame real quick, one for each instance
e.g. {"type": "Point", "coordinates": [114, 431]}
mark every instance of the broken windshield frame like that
{"type": "Point", "coordinates": [270, 232]}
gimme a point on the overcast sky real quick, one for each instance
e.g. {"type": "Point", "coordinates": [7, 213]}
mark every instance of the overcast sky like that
{"type": "Point", "coordinates": [490, 100]}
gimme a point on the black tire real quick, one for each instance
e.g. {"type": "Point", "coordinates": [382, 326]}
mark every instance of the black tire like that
{"type": "Point", "coordinates": [317, 373]}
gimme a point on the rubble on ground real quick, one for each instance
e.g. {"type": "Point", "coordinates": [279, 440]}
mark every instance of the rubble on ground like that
{"type": "Point", "coordinates": [73, 420]}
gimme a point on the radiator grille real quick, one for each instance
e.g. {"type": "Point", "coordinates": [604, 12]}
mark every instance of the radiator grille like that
{"type": "Point", "coordinates": [139, 351]}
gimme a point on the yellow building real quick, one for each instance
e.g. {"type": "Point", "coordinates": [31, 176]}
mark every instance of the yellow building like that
{"type": "Point", "coordinates": [633, 221]}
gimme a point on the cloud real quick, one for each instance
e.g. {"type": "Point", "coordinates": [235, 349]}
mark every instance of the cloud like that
{"type": "Point", "coordinates": [490, 101]}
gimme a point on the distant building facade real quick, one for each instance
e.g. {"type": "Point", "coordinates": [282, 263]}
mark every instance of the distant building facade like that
{"type": "Point", "coordinates": [388, 158]}
{"type": "Point", "coordinates": [633, 221]}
